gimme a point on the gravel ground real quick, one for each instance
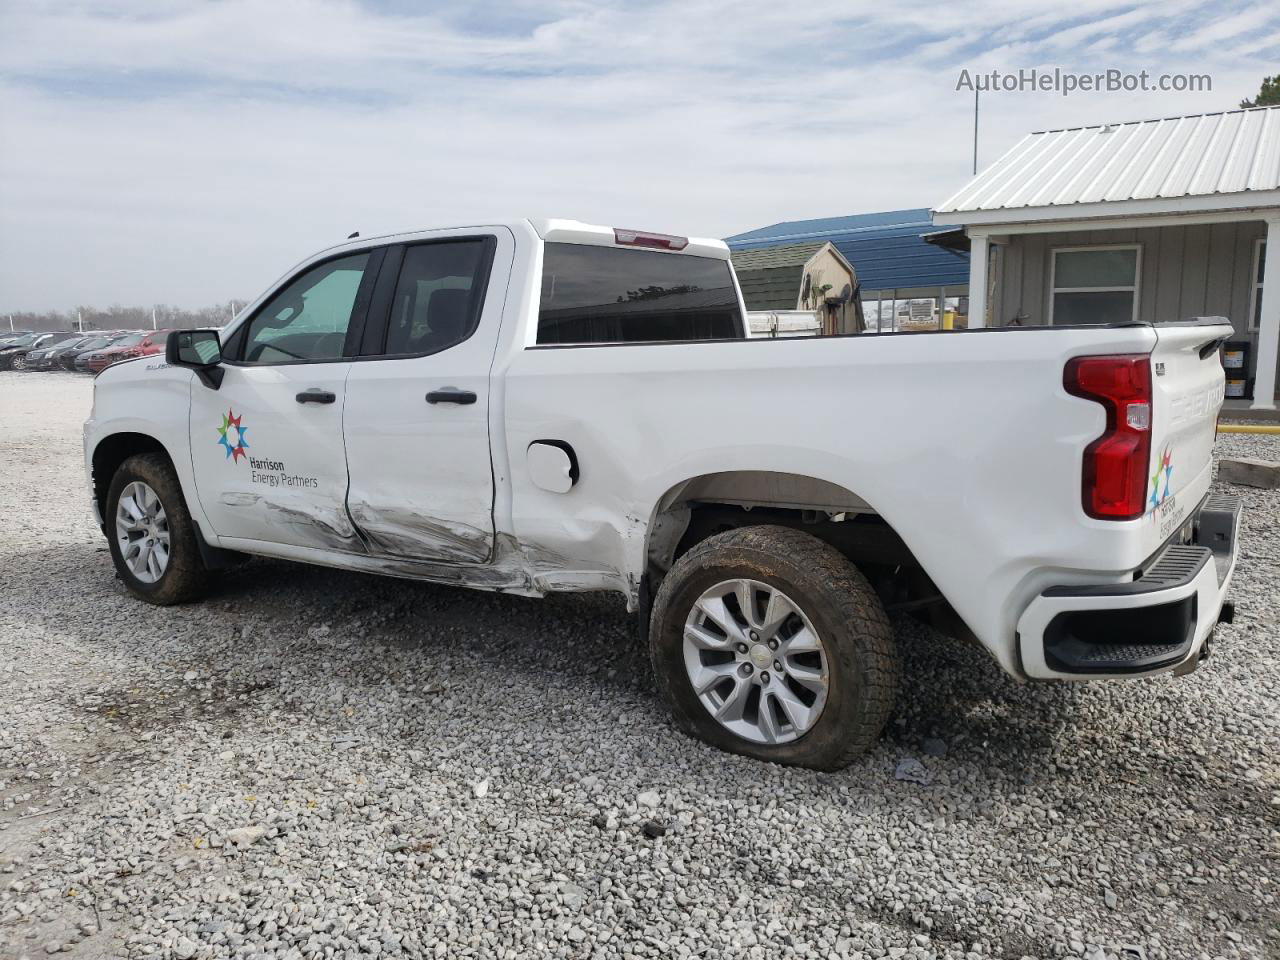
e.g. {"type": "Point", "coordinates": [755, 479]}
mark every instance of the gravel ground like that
{"type": "Point", "coordinates": [320, 764]}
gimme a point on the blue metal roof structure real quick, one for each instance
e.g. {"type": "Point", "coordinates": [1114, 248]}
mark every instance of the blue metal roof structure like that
{"type": "Point", "coordinates": [885, 248]}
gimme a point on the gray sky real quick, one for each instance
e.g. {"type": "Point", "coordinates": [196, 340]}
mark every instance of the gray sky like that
{"type": "Point", "coordinates": [188, 152]}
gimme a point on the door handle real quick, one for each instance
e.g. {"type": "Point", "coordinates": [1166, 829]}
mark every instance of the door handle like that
{"type": "Point", "coordinates": [315, 395]}
{"type": "Point", "coordinates": [451, 395]}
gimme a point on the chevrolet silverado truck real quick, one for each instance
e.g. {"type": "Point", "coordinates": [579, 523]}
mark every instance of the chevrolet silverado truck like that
{"type": "Point", "coordinates": [546, 405]}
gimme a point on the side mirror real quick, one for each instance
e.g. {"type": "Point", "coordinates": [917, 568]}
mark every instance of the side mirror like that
{"type": "Point", "coordinates": [200, 350]}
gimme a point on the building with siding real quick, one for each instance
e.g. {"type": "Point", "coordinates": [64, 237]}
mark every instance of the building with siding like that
{"type": "Point", "coordinates": [888, 251]}
{"type": "Point", "coordinates": [801, 276]}
{"type": "Point", "coordinates": [1155, 220]}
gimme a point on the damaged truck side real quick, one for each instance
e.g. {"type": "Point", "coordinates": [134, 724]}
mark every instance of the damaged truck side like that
{"type": "Point", "coordinates": [544, 406]}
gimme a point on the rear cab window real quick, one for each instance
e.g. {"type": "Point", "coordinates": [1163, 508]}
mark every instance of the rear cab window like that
{"type": "Point", "coordinates": [599, 294]}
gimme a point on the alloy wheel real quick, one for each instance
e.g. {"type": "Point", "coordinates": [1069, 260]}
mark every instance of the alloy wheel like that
{"type": "Point", "coordinates": [755, 661]}
{"type": "Point", "coordinates": [142, 532]}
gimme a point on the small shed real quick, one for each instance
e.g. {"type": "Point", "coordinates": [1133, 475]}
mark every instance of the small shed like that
{"type": "Point", "coordinates": [1153, 220]}
{"type": "Point", "coordinates": [891, 252]}
{"type": "Point", "coordinates": [801, 276]}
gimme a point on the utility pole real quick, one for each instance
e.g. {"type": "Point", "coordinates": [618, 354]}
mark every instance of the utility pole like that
{"type": "Point", "coordinates": [11, 323]}
{"type": "Point", "coordinates": [153, 318]}
{"type": "Point", "coordinates": [80, 321]}
{"type": "Point", "coordinates": [975, 132]}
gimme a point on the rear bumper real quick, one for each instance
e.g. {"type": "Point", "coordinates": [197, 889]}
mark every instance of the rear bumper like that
{"type": "Point", "coordinates": [1159, 620]}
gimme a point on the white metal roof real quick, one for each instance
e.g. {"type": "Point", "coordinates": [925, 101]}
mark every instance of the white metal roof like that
{"type": "Point", "coordinates": [1210, 161]}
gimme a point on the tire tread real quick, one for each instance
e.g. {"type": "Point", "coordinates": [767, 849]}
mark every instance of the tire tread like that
{"type": "Point", "coordinates": [867, 643]}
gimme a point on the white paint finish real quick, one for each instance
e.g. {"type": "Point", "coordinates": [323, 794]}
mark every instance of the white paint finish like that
{"type": "Point", "coordinates": [1209, 161]}
{"type": "Point", "coordinates": [978, 471]}
{"type": "Point", "coordinates": [574, 231]}
{"type": "Point", "coordinates": [148, 397]}
{"type": "Point", "coordinates": [979, 257]}
{"type": "Point", "coordinates": [549, 467]}
{"type": "Point", "coordinates": [1041, 611]}
{"type": "Point", "coordinates": [1264, 383]}
{"type": "Point", "coordinates": [421, 479]}
{"type": "Point", "coordinates": [241, 500]}
{"type": "Point", "coordinates": [981, 487]}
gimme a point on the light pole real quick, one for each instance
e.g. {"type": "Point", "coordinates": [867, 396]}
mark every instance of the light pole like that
{"type": "Point", "coordinates": [975, 132]}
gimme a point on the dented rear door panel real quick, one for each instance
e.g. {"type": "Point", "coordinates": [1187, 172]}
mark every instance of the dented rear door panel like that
{"type": "Point", "coordinates": [421, 477]}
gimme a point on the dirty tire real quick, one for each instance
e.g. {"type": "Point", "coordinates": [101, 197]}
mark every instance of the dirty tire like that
{"type": "Point", "coordinates": [185, 578]}
{"type": "Point", "coordinates": [838, 601]}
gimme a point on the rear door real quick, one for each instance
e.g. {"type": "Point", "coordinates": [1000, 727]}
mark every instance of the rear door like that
{"type": "Point", "coordinates": [416, 421]}
{"type": "Point", "coordinates": [266, 446]}
{"type": "Point", "coordinates": [1187, 383]}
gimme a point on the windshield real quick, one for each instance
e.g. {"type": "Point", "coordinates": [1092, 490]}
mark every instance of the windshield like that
{"type": "Point", "coordinates": [129, 341]}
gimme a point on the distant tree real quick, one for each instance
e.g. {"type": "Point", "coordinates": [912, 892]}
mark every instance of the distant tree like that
{"type": "Point", "coordinates": [1268, 96]}
{"type": "Point", "coordinates": [117, 317]}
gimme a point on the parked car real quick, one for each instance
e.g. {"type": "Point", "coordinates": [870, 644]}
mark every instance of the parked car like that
{"type": "Point", "coordinates": [41, 357]}
{"type": "Point", "coordinates": [82, 342]}
{"type": "Point", "coordinates": [67, 359]}
{"type": "Point", "coordinates": [128, 348]}
{"type": "Point", "coordinates": [13, 354]}
{"type": "Point", "coordinates": [545, 406]}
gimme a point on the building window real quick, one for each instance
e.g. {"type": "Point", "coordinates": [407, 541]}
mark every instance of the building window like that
{"type": "Point", "coordinates": [1255, 296]}
{"type": "Point", "coordinates": [1094, 285]}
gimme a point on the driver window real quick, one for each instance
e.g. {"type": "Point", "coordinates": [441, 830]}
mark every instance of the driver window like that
{"type": "Point", "coordinates": [308, 319]}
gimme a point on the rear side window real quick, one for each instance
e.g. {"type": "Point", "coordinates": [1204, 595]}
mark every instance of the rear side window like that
{"type": "Point", "coordinates": [593, 294]}
{"type": "Point", "coordinates": [438, 296]}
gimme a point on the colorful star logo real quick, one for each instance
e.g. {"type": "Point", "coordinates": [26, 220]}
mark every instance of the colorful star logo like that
{"type": "Point", "coordinates": [231, 436]}
{"type": "Point", "coordinates": [1166, 467]}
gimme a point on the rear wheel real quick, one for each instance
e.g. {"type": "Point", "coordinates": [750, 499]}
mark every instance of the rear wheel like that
{"type": "Point", "coordinates": [768, 642]}
{"type": "Point", "coordinates": [19, 363]}
{"type": "Point", "coordinates": [152, 536]}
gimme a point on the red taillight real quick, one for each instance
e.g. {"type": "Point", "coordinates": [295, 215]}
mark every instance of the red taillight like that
{"type": "Point", "coordinates": [659, 241]}
{"type": "Point", "coordinates": [1115, 464]}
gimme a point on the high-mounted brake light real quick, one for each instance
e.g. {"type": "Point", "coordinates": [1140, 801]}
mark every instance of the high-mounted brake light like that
{"type": "Point", "coordinates": [659, 241]}
{"type": "Point", "coordinates": [1114, 481]}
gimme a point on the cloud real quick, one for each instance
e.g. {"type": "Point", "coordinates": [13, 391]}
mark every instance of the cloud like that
{"type": "Point", "coordinates": [189, 152]}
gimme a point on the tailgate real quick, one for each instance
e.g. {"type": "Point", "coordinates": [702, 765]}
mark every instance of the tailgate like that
{"type": "Point", "coordinates": [1186, 393]}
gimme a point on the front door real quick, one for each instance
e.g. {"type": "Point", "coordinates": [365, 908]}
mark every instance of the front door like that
{"type": "Point", "coordinates": [266, 446]}
{"type": "Point", "coordinates": [417, 416]}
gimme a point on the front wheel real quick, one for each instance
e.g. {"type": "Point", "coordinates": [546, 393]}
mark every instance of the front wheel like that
{"type": "Point", "coordinates": [768, 642]}
{"type": "Point", "coordinates": [19, 363]}
{"type": "Point", "coordinates": [152, 536]}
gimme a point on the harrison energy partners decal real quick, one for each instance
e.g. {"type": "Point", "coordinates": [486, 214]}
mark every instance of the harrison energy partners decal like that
{"type": "Point", "coordinates": [1164, 505]}
{"type": "Point", "coordinates": [269, 473]}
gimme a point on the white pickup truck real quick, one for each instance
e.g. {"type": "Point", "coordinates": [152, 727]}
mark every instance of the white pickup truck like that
{"type": "Point", "coordinates": [543, 406]}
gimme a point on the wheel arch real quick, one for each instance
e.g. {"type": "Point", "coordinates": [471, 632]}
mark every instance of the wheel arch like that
{"type": "Point", "coordinates": [113, 450]}
{"type": "Point", "coordinates": [700, 507]}
{"type": "Point", "coordinates": [808, 500]}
